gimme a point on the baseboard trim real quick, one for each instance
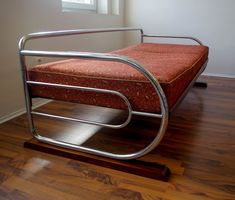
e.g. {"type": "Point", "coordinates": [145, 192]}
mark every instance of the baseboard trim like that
{"type": "Point", "coordinates": [22, 111]}
{"type": "Point", "coordinates": [218, 75]}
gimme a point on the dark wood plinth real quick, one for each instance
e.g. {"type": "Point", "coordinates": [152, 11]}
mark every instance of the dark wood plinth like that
{"type": "Point", "coordinates": [138, 167]}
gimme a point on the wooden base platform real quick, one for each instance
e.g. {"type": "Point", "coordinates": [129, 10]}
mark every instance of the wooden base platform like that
{"type": "Point", "coordinates": [138, 167]}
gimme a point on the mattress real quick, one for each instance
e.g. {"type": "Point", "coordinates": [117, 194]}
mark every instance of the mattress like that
{"type": "Point", "coordinates": [174, 66]}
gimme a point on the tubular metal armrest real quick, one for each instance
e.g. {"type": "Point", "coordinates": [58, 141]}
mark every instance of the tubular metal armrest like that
{"type": "Point", "coordinates": [173, 37]}
{"type": "Point", "coordinates": [97, 56]}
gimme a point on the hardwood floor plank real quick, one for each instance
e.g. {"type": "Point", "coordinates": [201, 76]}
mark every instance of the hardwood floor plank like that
{"type": "Point", "coordinates": [37, 190]}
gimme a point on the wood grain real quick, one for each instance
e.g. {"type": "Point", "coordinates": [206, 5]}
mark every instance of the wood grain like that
{"type": "Point", "coordinates": [199, 147]}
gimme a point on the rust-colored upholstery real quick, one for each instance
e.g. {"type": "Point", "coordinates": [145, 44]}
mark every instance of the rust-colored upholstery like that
{"type": "Point", "coordinates": [174, 66]}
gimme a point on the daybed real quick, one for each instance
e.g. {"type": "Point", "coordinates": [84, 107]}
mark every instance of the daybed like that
{"type": "Point", "coordinates": [148, 79]}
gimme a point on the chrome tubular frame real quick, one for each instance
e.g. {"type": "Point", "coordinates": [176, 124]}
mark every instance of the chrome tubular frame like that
{"type": "Point", "coordinates": [164, 115]}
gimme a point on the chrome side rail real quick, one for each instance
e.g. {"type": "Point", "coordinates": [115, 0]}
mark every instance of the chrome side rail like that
{"type": "Point", "coordinates": [97, 56]}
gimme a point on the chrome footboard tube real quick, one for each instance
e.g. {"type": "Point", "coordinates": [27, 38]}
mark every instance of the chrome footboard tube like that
{"type": "Point", "coordinates": [97, 56]}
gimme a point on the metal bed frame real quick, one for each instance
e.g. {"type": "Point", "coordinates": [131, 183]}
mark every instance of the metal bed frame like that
{"type": "Point", "coordinates": [163, 115]}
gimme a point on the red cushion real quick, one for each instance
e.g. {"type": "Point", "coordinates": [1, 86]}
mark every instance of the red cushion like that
{"type": "Point", "coordinates": [174, 66]}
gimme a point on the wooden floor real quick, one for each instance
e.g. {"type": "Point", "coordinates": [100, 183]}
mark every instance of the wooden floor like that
{"type": "Point", "coordinates": [199, 147]}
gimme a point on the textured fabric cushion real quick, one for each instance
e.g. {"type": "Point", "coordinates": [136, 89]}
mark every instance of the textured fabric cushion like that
{"type": "Point", "coordinates": [174, 66]}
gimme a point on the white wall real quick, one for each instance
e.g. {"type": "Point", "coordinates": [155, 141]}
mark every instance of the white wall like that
{"type": "Point", "coordinates": [18, 18]}
{"type": "Point", "coordinates": [212, 21]}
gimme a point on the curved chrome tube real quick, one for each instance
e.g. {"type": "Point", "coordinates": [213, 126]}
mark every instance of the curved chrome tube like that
{"type": "Point", "coordinates": [98, 56]}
